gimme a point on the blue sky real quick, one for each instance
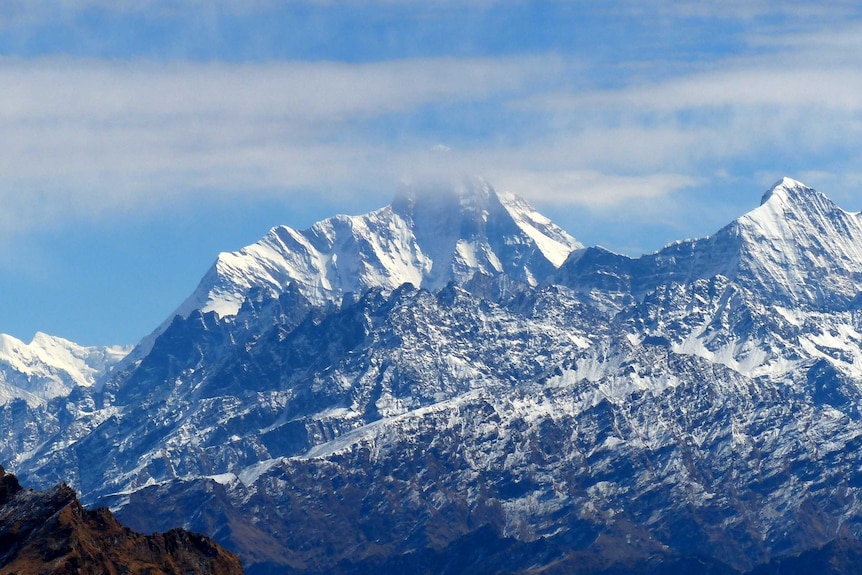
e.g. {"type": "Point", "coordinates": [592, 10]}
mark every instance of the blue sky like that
{"type": "Point", "coordinates": [142, 138]}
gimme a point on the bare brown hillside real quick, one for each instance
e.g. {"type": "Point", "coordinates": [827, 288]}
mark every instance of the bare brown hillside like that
{"type": "Point", "coordinates": [50, 533]}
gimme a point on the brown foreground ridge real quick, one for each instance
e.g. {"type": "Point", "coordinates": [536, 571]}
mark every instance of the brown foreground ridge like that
{"type": "Point", "coordinates": [50, 533]}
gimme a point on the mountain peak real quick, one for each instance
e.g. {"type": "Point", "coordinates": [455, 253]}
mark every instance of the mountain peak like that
{"type": "Point", "coordinates": [50, 366]}
{"type": "Point", "coordinates": [796, 236]}
{"type": "Point", "coordinates": [779, 251]}
{"type": "Point", "coordinates": [791, 201]}
{"type": "Point", "coordinates": [432, 233]}
{"type": "Point", "coordinates": [787, 190]}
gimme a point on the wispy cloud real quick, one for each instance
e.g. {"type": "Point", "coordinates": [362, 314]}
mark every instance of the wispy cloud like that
{"type": "Point", "coordinates": [596, 189]}
{"type": "Point", "coordinates": [93, 136]}
{"type": "Point", "coordinates": [100, 135]}
{"type": "Point", "coordinates": [743, 86]}
{"type": "Point", "coordinates": [65, 88]}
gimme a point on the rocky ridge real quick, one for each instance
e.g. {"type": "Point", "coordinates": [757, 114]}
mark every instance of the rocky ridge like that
{"type": "Point", "coordinates": [49, 532]}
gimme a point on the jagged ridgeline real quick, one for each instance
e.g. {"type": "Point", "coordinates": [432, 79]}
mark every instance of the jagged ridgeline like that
{"type": "Point", "coordinates": [454, 384]}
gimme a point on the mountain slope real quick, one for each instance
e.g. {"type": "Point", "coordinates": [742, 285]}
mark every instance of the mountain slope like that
{"type": "Point", "coordinates": [775, 287]}
{"type": "Point", "coordinates": [625, 442]}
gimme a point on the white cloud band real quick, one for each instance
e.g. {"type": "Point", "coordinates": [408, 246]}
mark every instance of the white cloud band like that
{"type": "Point", "coordinates": [96, 136]}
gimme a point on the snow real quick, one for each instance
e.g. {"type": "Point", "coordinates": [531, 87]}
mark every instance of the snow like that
{"type": "Point", "coordinates": [223, 478]}
{"type": "Point", "coordinates": [378, 429]}
{"type": "Point", "coordinates": [9, 392]}
{"type": "Point", "coordinates": [467, 253]}
{"type": "Point", "coordinates": [793, 317]}
{"type": "Point", "coordinates": [250, 475]}
{"type": "Point", "coordinates": [553, 241]}
{"type": "Point", "coordinates": [796, 236]}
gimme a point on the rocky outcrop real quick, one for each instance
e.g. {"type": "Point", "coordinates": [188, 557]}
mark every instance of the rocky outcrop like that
{"type": "Point", "coordinates": [49, 532]}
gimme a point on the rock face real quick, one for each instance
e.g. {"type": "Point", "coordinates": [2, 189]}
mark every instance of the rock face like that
{"type": "Point", "coordinates": [48, 532]}
{"type": "Point", "coordinates": [501, 400]}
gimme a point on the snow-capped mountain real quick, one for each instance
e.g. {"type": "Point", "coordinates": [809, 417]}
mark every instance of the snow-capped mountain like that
{"type": "Point", "coordinates": [491, 398]}
{"type": "Point", "coordinates": [50, 367]}
{"type": "Point", "coordinates": [427, 237]}
{"type": "Point", "coordinates": [771, 289]}
{"type": "Point", "coordinates": [779, 252]}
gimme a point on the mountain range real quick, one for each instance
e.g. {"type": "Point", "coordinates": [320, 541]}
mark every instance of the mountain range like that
{"type": "Point", "coordinates": [454, 384]}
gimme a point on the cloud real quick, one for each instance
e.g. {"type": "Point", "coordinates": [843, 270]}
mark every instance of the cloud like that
{"type": "Point", "coordinates": [765, 85]}
{"type": "Point", "coordinates": [794, 107]}
{"type": "Point", "coordinates": [594, 188]}
{"type": "Point", "coordinates": [61, 89]}
{"type": "Point", "coordinates": [799, 10]}
{"type": "Point", "coordinates": [91, 136]}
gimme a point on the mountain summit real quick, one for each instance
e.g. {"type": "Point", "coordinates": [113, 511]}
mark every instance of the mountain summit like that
{"type": "Point", "coordinates": [429, 236]}
{"type": "Point", "coordinates": [779, 251]}
{"type": "Point", "coordinates": [792, 191]}
{"type": "Point", "coordinates": [795, 239]}
{"type": "Point", "coordinates": [50, 367]}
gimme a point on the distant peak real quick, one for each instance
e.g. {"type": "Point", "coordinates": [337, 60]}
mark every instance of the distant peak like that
{"type": "Point", "coordinates": [786, 189]}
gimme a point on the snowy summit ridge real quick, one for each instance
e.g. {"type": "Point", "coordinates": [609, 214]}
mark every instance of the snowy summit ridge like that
{"type": "Point", "coordinates": [788, 189]}
{"type": "Point", "coordinates": [780, 250]}
{"type": "Point", "coordinates": [795, 238]}
{"type": "Point", "coordinates": [428, 236]}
